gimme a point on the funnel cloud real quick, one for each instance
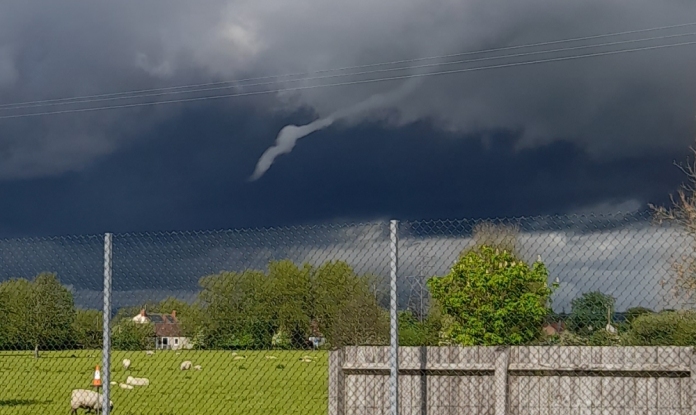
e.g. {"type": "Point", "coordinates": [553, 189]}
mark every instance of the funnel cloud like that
{"type": "Point", "coordinates": [290, 134]}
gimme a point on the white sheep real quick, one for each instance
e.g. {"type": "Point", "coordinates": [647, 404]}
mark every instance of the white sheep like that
{"type": "Point", "coordinates": [124, 386]}
{"type": "Point", "coordinates": [126, 364]}
{"type": "Point", "coordinates": [88, 400]}
{"type": "Point", "coordinates": [149, 352]}
{"type": "Point", "coordinates": [198, 367]}
{"type": "Point", "coordinates": [186, 365]}
{"type": "Point", "coordinates": [137, 381]}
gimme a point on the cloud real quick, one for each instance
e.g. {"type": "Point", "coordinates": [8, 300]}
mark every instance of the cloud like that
{"type": "Point", "coordinates": [620, 255]}
{"type": "Point", "coordinates": [288, 136]}
{"type": "Point", "coordinates": [610, 106]}
{"type": "Point", "coordinates": [8, 71]}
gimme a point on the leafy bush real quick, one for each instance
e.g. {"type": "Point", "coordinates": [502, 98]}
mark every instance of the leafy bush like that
{"type": "Point", "coordinates": [418, 333]}
{"type": "Point", "coordinates": [664, 329]}
{"type": "Point", "coordinates": [492, 298]}
{"type": "Point", "coordinates": [567, 338]}
{"type": "Point", "coordinates": [281, 340]}
{"type": "Point", "coordinates": [131, 336]}
{"type": "Point", "coordinates": [634, 312]}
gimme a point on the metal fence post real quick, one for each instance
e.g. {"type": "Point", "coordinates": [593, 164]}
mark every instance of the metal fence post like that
{"type": "Point", "coordinates": [106, 352]}
{"type": "Point", "coordinates": [394, 322]}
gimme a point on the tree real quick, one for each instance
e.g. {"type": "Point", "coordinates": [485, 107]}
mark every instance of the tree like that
{"type": "Point", "coordinates": [88, 329]}
{"type": "Point", "coordinates": [51, 313]}
{"type": "Point", "coordinates": [590, 312]}
{"type": "Point", "coordinates": [682, 213]}
{"type": "Point", "coordinates": [237, 310]}
{"type": "Point", "coordinates": [131, 336]}
{"type": "Point", "coordinates": [17, 293]}
{"type": "Point", "coordinates": [346, 306]}
{"type": "Point", "coordinates": [288, 302]}
{"type": "Point", "coordinates": [491, 297]}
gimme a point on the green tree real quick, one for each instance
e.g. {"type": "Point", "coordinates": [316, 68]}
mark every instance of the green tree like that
{"type": "Point", "coordinates": [17, 293]}
{"type": "Point", "coordinates": [237, 308]}
{"type": "Point", "coordinates": [131, 336]}
{"type": "Point", "coordinates": [283, 307]}
{"type": "Point", "coordinates": [590, 312]}
{"type": "Point", "coordinates": [88, 329]}
{"type": "Point", "coordinates": [491, 297]}
{"type": "Point", "coordinates": [51, 312]}
{"type": "Point", "coordinates": [288, 302]}
{"type": "Point", "coordinates": [346, 306]}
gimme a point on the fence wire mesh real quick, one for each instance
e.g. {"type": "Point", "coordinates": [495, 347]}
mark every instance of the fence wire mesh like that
{"type": "Point", "coordinates": [587, 314]}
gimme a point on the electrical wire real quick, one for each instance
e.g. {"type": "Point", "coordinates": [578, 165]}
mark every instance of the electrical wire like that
{"type": "Point", "coordinates": [348, 83]}
{"type": "Point", "coordinates": [135, 93]}
{"type": "Point", "coordinates": [430, 65]}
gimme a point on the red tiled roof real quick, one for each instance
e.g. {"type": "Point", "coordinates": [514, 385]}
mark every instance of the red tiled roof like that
{"type": "Point", "coordinates": [166, 325]}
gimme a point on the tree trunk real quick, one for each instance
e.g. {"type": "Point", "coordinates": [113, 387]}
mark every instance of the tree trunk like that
{"type": "Point", "coordinates": [36, 351]}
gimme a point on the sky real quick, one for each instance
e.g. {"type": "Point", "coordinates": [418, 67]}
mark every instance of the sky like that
{"type": "Point", "coordinates": [550, 138]}
{"type": "Point", "coordinates": [596, 135]}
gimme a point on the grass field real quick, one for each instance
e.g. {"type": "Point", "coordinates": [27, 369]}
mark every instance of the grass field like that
{"type": "Point", "coordinates": [242, 383]}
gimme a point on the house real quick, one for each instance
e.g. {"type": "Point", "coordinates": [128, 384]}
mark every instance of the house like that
{"type": "Point", "coordinates": [168, 333]}
{"type": "Point", "coordinates": [316, 338]}
{"type": "Point", "coordinates": [554, 328]}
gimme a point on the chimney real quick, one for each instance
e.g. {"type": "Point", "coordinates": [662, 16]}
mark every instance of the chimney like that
{"type": "Point", "coordinates": [174, 314]}
{"type": "Point", "coordinates": [142, 312]}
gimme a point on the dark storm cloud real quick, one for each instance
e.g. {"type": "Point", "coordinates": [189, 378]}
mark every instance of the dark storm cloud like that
{"type": "Point", "coordinates": [611, 106]}
{"type": "Point", "coordinates": [190, 173]}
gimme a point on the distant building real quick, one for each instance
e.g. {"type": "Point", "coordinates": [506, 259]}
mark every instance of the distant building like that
{"type": "Point", "coordinates": [168, 333]}
{"type": "Point", "coordinates": [316, 338]}
{"type": "Point", "coordinates": [554, 328]}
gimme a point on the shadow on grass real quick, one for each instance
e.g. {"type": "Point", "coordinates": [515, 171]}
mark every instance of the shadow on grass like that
{"type": "Point", "coordinates": [49, 356]}
{"type": "Point", "coordinates": [22, 402]}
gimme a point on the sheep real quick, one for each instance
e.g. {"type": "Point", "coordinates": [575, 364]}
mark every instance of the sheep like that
{"type": "Point", "coordinates": [86, 399]}
{"type": "Point", "coordinates": [198, 367]}
{"type": "Point", "coordinates": [124, 386]}
{"type": "Point", "coordinates": [186, 365]}
{"type": "Point", "coordinates": [126, 364]}
{"type": "Point", "coordinates": [149, 352]}
{"type": "Point", "coordinates": [137, 381]}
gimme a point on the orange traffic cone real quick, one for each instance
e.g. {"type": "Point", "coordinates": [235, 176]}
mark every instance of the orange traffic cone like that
{"type": "Point", "coordinates": [97, 383]}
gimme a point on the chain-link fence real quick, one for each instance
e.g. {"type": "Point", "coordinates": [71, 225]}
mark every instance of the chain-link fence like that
{"type": "Point", "coordinates": [587, 314]}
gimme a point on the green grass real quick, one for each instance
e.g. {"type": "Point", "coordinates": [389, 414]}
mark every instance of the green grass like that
{"type": "Point", "coordinates": [225, 385]}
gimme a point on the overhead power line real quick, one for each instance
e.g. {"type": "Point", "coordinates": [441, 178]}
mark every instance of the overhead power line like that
{"type": "Point", "coordinates": [305, 74]}
{"type": "Point", "coordinates": [402, 68]}
{"type": "Point", "coordinates": [348, 83]}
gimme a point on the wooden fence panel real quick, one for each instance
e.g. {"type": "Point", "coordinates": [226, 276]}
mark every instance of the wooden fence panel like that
{"type": "Point", "coordinates": [517, 381]}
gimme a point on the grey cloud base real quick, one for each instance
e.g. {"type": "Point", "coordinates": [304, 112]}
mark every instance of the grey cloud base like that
{"type": "Point", "coordinates": [621, 255]}
{"type": "Point", "coordinates": [609, 106]}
